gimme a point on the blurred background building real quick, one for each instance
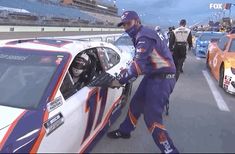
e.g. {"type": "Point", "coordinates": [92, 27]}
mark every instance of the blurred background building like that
{"type": "Point", "coordinates": [98, 13]}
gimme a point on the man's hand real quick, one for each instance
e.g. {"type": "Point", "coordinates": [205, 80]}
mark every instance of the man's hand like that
{"type": "Point", "coordinates": [115, 83]}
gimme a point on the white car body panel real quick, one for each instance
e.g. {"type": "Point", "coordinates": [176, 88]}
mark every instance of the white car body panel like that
{"type": "Point", "coordinates": [69, 135]}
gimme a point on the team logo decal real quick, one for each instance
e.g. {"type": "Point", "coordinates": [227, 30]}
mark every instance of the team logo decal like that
{"type": "Point", "coordinates": [53, 123]}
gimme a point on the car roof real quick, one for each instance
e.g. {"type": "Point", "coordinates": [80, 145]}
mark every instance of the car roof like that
{"type": "Point", "coordinates": [53, 44]}
{"type": "Point", "coordinates": [212, 32]}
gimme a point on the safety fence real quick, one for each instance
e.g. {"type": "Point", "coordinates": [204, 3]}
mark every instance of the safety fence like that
{"type": "Point", "coordinates": [55, 29]}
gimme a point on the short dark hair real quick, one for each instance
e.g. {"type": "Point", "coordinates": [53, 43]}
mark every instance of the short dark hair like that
{"type": "Point", "coordinates": [183, 22]}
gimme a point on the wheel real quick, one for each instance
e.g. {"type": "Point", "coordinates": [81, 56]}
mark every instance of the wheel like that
{"type": "Point", "coordinates": [126, 94]}
{"type": "Point", "coordinates": [221, 76]}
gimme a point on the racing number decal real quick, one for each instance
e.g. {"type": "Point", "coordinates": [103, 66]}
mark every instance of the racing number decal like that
{"type": "Point", "coordinates": [95, 97]}
{"type": "Point", "coordinates": [215, 60]}
{"type": "Point", "coordinates": [103, 93]}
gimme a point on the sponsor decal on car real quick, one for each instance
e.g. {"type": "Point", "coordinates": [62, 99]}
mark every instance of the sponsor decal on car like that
{"type": "Point", "coordinates": [53, 123]}
{"type": "Point", "coordinates": [54, 104]}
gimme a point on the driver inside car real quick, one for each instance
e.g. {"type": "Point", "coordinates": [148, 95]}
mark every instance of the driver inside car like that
{"type": "Point", "coordinates": [80, 71]}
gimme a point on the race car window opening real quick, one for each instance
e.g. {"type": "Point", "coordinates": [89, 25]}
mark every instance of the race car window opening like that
{"type": "Point", "coordinates": [69, 87]}
{"type": "Point", "coordinates": [108, 57]}
{"type": "Point", "coordinates": [24, 77]}
{"type": "Point", "coordinates": [208, 37]}
{"type": "Point", "coordinates": [222, 43]}
{"type": "Point", "coordinates": [232, 47]}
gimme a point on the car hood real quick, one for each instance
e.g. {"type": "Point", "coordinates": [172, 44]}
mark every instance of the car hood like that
{"type": "Point", "coordinates": [8, 115]}
{"type": "Point", "coordinates": [202, 42]}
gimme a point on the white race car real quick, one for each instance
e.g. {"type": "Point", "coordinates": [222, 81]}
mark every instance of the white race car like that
{"type": "Point", "coordinates": [42, 110]}
{"type": "Point", "coordinates": [125, 44]}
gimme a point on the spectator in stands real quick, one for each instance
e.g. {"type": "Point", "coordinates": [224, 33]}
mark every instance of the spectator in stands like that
{"type": "Point", "coordinates": [153, 60]}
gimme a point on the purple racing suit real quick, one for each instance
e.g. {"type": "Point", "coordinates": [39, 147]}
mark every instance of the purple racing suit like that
{"type": "Point", "coordinates": [153, 60]}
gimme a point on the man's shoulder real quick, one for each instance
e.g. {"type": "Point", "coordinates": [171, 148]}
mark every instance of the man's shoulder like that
{"type": "Point", "coordinates": [179, 29]}
{"type": "Point", "coordinates": [146, 30]}
{"type": "Point", "coordinates": [147, 33]}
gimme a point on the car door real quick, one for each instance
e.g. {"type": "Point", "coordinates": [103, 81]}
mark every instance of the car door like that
{"type": "Point", "coordinates": [112, 64]}
{"type": "Point", "coordinates": [219, 56]}
{"type": "Point", "coordinates": [67, 114]}
{"type": "Point", "coordinates": [85, 111]}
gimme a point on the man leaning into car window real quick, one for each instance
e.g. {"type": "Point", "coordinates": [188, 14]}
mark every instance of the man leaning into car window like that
{"type": "Point", "coordinates": [153, 60]}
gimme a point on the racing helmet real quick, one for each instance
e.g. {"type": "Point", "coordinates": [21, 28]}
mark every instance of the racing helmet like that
{"type": "Point", "coordinates": [80, 65]}
{"type": "Point", "coordinates": [157, 28]}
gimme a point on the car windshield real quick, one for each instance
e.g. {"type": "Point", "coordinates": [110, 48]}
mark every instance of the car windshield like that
{"type": "Point", "coordinates": [25, 75]}
{"type": "Point", "coordinates": [232, 47]}
{"type": "Point", "coordinates": [208, 37]}
{"type": "Point", "coordinates": [197, 34]}
{"type": "Point", "coordinates": [124, 40]}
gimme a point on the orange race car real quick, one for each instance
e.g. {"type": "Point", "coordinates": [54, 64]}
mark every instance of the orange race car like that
{"type": "Point", "coordinates": [221, 62]}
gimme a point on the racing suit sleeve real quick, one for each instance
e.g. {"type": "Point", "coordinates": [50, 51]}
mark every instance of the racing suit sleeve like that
{"type": "Point", "coordinates": [189, 39]}
{"type": "Point", "coordinates": [144, 47]}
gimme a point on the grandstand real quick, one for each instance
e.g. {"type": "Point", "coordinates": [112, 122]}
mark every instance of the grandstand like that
{"type": "Point", "coordinates": [107, 19]}
{"type": "Point", "coordinates": [104, 11]}
{"type": "Point", "coordinates": [93, 6]}
{"type": "Point", "coordinates": [58, 13]}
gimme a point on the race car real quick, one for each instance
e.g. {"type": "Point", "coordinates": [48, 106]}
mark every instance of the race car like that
{"type": "Point", "coordinates": [202, 42]}
{"type": "Point", "coordinates": [42, 109]}
{"type": "Point", "coordinates": [221, 62]}
{"type": "Point", "coordinates": [195, 35]}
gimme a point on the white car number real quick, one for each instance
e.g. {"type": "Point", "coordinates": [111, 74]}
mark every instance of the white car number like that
{"type": "Point", "coordinates": [215, 60]}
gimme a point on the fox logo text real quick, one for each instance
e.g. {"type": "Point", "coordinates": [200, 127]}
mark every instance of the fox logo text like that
{"type": "Point", "coordinates": [216, 6]}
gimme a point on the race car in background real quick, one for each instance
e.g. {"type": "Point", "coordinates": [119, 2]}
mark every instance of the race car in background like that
{"type": "Point", "coordinates": [201, 44]}
{"type": "Point", "coordinates": [195, 35]}
{"type": "Point", "coordinates": [221, 62]}
{"type": "Point", "coordinates": [41, 108]}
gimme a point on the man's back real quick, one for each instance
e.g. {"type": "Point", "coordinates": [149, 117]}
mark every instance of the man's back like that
{"type": "Point", "coordinates": [181, 34]}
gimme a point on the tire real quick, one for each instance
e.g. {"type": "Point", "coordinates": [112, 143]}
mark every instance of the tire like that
{"type": "Point", "coordinates": [221, 76]}
{"type": "Point", "coordinates": [126, 94]}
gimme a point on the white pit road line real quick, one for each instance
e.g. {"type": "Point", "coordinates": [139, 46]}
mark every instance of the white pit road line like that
{"type": "Point", "coordinates": [218, 98]}
{"type": "Point", "coordinates": [198, 58]}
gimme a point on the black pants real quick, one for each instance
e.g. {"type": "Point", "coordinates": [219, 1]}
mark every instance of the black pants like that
{"type": "Point", "coordinates": [179, 56]}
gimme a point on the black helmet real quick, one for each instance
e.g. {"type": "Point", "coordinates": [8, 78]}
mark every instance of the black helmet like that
{"type": "Point", "coordinates": [79, 65]}
{"type": "Point", "coordinates": [183, 22]}
{"type": "Point", "coordinates": [81, 62]}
